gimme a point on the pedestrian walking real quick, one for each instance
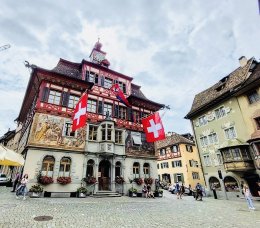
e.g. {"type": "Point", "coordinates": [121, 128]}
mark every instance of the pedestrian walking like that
{"type": "Point", "coordinates": [16, 181]}
{"type": "Point", "coordinates": [198, 190]}
{"type": "Point", "coordinates": [22, 189]}
{"type": "Point", "coordinates": [248, 197]}
{"type": "Point", "coordinates": [177, 190]}
{"type": "Point", "coordinates": [182, 190]}
{"type": "Point", "coordinates": [145, 191]}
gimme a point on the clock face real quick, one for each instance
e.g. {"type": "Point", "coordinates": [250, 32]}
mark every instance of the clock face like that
{"type": "Point", "coordinates": [98, 56]}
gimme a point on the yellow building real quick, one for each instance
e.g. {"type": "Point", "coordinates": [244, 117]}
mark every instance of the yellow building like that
{"type": "Point", "coordinates": [178, 161]}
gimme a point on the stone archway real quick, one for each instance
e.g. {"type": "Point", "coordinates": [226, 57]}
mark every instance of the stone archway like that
{"type": "Point", "coordinates": [104, 175]}
{"type": "Point", "coordinates": [214, 182]}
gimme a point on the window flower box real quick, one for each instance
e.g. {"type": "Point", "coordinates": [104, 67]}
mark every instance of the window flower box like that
{"type": "Point", "coordinates": [119, 180]}
{"type": "Point", "coordinates": [138, 181]}
{"type": "Point", "coordinates": [45, 180]}
{"type": "Point", "coordinates": [148, 180]}
{"type": "Point", "coordinates": [64, 180]}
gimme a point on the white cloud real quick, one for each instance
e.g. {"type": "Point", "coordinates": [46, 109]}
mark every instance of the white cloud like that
{"type": "Point", "coordinates": [173, 49]}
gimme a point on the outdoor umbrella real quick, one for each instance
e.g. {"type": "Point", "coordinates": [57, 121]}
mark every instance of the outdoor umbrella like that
{"type": "Point", "coordinates": [9, 157]}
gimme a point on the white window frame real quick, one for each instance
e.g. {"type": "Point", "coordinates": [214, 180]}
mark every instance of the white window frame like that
{"type": "Point", "coordinates": [230, 134]}
{"type": "Point", "coordinates": [195, 176]}
{"type": "Point", "coordinates": [203, 120]}
{"type": "Point", "coordinates": [220, 112]}
{"type": "Point", "coordinates": [204, 141]}
{"type": "Point", "coordinates": [213, 138]}
{"type": "Point", "coordinates": [207, 161]}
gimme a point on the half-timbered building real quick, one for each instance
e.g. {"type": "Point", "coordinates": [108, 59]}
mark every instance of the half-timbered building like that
{"type": "Point", "coordinates": [112, 144]}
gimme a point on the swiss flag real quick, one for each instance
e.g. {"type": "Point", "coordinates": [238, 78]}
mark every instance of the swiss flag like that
{"type": "Point", "coordinates": [79, 117]}
{"type": "Point", "coordinates": [153, 128]}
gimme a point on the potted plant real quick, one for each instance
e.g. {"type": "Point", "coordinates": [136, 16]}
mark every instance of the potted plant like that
{"type": "Point", "coordinates": [138, 181]}
{"type": "Point", "coordinates": [64, 180]}
{"type": "Point", "coordinates": [89, 180]}
{"type": "Point", "coordinates": [119, 180]}
{"type": "Point", "coordinates": [158, 193]}
{"type": "Point", "coordinates": [82, 192]}
{"type": "Point", "coordinates": [132, 192]}
{"type": "Point", "coordinates": [36, 190]}
{"type": "Point", "coordinates": [148, 180]}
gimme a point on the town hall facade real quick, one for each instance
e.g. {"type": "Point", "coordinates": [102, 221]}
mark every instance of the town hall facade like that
{"type": "Point", "coordinates": [111, 145]}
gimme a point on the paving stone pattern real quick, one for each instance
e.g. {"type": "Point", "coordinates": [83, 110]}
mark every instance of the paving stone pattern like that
{"type": "Point", "coordinates": [126, 212]}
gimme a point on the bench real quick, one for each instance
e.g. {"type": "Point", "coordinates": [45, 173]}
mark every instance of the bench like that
{"type": "Point", "coordinates": [60, 194]}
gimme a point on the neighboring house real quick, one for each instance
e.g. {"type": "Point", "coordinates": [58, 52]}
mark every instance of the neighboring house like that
{"type": "Point", "coordinates": [112, 143]}
{"type": "Point", "coordinates": [178, 160]}
{"type": "Point", "coordinates": [225, 121]}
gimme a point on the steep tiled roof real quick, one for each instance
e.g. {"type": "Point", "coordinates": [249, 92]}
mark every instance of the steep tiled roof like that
{"type": "Point", "coordinates": [68, 68]}
{"type": "Point", "coordinates": [226, 84]}
{"type": "Point", "coordinates": [135, 90]}
{"type": "Point", "coordinates": [173, 139]}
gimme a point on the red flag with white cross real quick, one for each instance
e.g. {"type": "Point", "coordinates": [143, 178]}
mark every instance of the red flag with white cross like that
{"type": "Point", "coordinates": [153, 128]}
{"type": "Point", "coordinates": [79, 117]}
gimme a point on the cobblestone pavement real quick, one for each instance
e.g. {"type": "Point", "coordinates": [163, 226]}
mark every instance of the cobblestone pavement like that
{"type": "Point", "coordinates": [126, 212]}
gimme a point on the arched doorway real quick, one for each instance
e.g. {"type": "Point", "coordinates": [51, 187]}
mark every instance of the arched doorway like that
{"type": "Point", "coordinates": [231, 184]}
{"type": "Point", "coordinates": [214, 182]}
{"type": "Point", "coordinates": [104, 175]}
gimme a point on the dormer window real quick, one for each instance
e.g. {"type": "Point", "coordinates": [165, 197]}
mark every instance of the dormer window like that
{"type": "Point", "coordinates": [253, 97]}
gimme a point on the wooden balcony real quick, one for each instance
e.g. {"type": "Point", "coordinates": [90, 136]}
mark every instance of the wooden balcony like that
{"type": "Point", "coordinates": [240, 165]}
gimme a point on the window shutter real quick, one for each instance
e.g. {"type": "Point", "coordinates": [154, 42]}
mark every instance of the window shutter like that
{"type": "Point", "coordinates": [182, 178]}
{"type": "Point", "coordinates": [96, 79]}
{"type": "Point", "coordinates": [124, 88]}
{"type": "Point", "coordinates": [116, 110]}
{"type": "Point", "coordinates": [130, 114]}
{"type": "Point", "coordinates": [100, 107]}
{"type": "Point", "coordinates": [180, 164]}
{"type": "Point", "coordinates": [102, 81]}
{"type": "Point", "coordinates": [87, 76]}
{"type": "Point", "coordinates": [65, 99]}
{"type": "Point", "coordinates": [175, 177]}
{"type": "Point", "coordinates": [45, 94]}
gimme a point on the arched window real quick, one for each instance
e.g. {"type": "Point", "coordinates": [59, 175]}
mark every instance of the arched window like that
{"type": "Point", "coordinates": [136, 169]}
{"type": "Point", "coordinates": [231, 184]}
{"type": "Point", "coordinates": [65, 164]}
{"type": "Point", "coordinates": [146, 170]}
{"type": "Point", "coordinates": [90, 168]}
{"type": "Point", "coordinates": [48, 166]}
{"type": "Point", "coordinates": [118, 169]}
{"type": "Point", "coordinates": [214, 182]}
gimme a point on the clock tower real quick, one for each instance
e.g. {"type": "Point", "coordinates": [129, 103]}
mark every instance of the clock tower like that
{"type": "Point", "coordinates": [98, 56]}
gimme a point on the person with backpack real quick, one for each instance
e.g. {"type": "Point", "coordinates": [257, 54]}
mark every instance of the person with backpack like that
{"type": "Point", "coordinates": [198, 189]}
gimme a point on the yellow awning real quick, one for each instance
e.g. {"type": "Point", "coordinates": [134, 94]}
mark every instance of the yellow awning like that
{"type": "Point", "coordinates": [10, 158]}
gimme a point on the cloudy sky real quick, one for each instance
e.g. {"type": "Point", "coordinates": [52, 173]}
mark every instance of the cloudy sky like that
{"type": "Point", "coordinates": [172, 48]}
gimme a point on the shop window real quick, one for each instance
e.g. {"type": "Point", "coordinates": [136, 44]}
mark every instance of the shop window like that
{"type": "Point", "coordinates": [65, 165]}
{"type": "Point", "coordinates": [48, 166]}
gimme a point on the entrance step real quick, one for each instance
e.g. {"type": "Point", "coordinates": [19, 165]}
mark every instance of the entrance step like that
{"type": "Point", "coordinates": [103, 194]}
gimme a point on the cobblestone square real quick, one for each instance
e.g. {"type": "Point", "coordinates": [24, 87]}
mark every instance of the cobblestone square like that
{"type": "Point", "coordinates": [126, 212]}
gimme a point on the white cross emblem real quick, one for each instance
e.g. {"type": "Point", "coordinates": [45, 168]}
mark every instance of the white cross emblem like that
{"type": "Point", "coordinates": [79, 113]}
{"type": "Point", "coordinates": [154, 128]}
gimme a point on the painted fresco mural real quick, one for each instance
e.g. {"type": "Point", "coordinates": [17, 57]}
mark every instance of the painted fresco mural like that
{"type": "Point", "coordinates": [49, 131]}
{"type": "Point", "coordinates": [136, 143]}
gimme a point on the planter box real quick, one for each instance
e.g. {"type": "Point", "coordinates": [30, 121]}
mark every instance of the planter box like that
{"type": "Point", "coordinates": [139, 194]}
{"type": "Point", "coordinates": [131, 194]}
{"type": "Point", "coordinates": [35, 195]}
{"type": "Point", "coordinates": [82, 195]}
